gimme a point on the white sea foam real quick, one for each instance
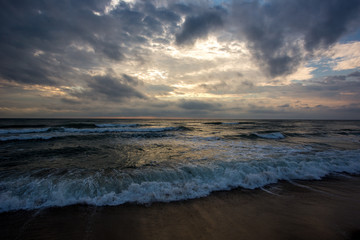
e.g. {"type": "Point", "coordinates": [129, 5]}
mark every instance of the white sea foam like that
{"type": "Point", "coordinates": [272, 135]}
{"type": "Point", "coordinates": [104, 130]}
{"type": "Point", "coordinates": [26, 134]}
{"type": "Point", "coordinates": [177, 182]}
{"type": "Point", "coordinates": [24, 130]}
{"type": "Point", "coordinates": [27, 137]}
{"type": "Point", "coordinates": [110, 125]}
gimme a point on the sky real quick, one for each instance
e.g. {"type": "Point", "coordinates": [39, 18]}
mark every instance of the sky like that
{"type": "Point", "coordinates": [244, 59]}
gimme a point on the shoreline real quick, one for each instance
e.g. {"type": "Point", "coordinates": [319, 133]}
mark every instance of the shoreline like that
{"type": "Point", "coordinates": [324, 209]}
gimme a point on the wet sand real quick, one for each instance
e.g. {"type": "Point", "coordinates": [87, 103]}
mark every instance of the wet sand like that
{"type": "Point", "coordinates": [327, 209]}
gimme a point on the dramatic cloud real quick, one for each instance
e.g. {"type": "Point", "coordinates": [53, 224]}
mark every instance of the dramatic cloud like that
{"type": "Point", "coordinates": [281, 32]}
{"type": "Point", "coordinates": [43, 41]}
{"type": "Point", "coordinates": [203, 58]}
{"type": "Point", "coordinates": [110, 89]}
{"type": "Point", "coordinates": [196, 27]}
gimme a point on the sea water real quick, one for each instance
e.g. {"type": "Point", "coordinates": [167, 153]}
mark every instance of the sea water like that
{"type": "Point", "coordinates": [60, 162]}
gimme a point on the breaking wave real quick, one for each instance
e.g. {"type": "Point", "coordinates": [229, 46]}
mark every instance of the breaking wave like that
{"type": "Point", "coordinates": [270, 135]}
{"type": "Point", "coordinates": [263, 135]}
{"type": "Point", "coordinates": [164, 184]}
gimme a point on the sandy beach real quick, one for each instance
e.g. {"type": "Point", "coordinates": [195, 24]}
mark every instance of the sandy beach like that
{"type": "Point", "coordinates": [327, 209]}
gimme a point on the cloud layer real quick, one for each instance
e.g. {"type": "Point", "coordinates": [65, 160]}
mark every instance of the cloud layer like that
{"type": "Point", "coordinates": [243, 59]}
{"type": "Point", "coordinates": [281, 33]}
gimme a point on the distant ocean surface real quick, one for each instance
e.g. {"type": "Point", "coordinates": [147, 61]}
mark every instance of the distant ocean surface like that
{"type": "Point", "coordinates": [46, 163]}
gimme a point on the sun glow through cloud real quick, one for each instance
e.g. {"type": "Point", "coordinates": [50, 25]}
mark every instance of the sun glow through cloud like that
{"type": "Point", "coordinates": [130, 57]}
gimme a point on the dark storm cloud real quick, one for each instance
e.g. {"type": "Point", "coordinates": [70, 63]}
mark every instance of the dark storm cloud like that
{"type": "Point", "coordinates": [181, 8]}
{"type": "Point", "coordinates": [162, 14]}
{"type": "Point", "coordinates": [339, 79]}
{"type": "Point", "coordinates": [198, 105]}
{"type": "Point", "coordinates": [354, 74]}
{"type": "Point", "coordinates": [48, 27]}
{"type": "Point", "coordinates": [70, 101]}
{"type": "Point", "coordinates": [111, 88]}
{"type": "Point", "coordinates": [42, 41]}
{"type": "Point", "coordinates": [272, 28]}
{"type": "Point", "coordinates": [31, 71]}
{"type": "Point", "coordinates": [199, 26]}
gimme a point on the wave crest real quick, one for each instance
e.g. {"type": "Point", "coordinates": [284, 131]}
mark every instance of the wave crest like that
{"type": "Point", "coordinates": [164, 184]}
{"type": "Point", "coordinates": [55, 132]}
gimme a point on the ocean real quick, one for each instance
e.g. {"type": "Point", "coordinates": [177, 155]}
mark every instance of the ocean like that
{"type": "Point", "coordinates": [61, 163]}
{"type": "Point", "coordinates": [47, 163]}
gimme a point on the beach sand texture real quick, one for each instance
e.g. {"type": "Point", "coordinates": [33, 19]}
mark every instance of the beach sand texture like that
{"type": "Point", "coordinates": [327, 209]}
